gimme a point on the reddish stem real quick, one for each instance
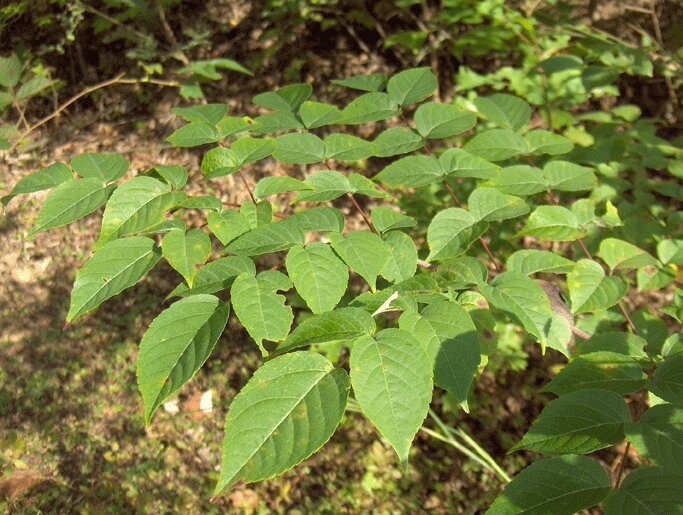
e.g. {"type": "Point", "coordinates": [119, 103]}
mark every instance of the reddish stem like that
{"type": "Point", "coordinates": [362, 213]}
{"type": "Point", "coordinates": [246, 185]}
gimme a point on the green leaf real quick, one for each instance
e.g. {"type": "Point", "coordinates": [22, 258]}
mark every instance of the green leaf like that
{"type": "Point", "coordinates": [458, 163]}
{"type": "Point", "coordinates": [261, 311]}
{"type": "Point", "coordinates": [385, 219]}
{"type": "Point", "coordinates": [269, 238]}
{"type": "Point", "coordinates": [202, 202]}
{"type": "Point", "coordinates": [401, 262]}
{"type": "Point", "coordinates": [411, 172]}
{"type": "Point", "coordinates": [668, 251]}
{"type": "Point", "coordinates": [506, 111]}
{"type": "Point", "coordinates": [232, 125]}
{"type": "Point", "coordinates": [411, 86]}
{"type": "Point", "coordinates": [318, 274]}
{"type": "Point", "coordinates": [566, 176]}
{"type": "Point", "coordinates": [257, 215]}
{"type": "Point", "coordinates": [363, 251]}
{"type": "Point", "coordinates": [175, 175]}
{"type": "Point", "coordinates": [218, 162]}
{"type": "Point", "coordinates": [215, 276]}
{"type": "Point", "coordinates": [667, 383]}
{"type": "Point", "coordinates": [137, 205]}
{"type": "Point", "coordinates": [392, 381]}
{"type": "Point", "coordinates": [287, 98]}
{"type": "Point", "coordinates": [286, 412]}
{"type": "Point", "coordinates": [370, 82]}
{"type": "Point", "coordinates": [318, 114]}
{"type": "Point", "coordinates": [578, 423]}
{"type": "Point", "coordinates": [561, 486]}
{"type": "Point", "coordinates": [324, 185]}
{"type": "Point", "coordinates": [228, 225]}
{"type": "Point", "coordinates": [185, 251]}
{"type": "Point", "coordinates": [370, 107]}
{"type": "Point", "coordinates": [533, 261]}
{"type": "Point", "coordinates": [176, 345]}
{"type": "Point", "coordinates": [555, 223]}
{"type": "Point", "coordinates": [622, 255]}
{"type": "Point", "coordinates": [658, 436]}
{"type": "Point", "coordinates": [33, 87]}
{"type": "Point", "coordinates": [590, 290]}
{"type": "Point", "coordinates": [451, 232]}
{"type": "Point", "coordinates": [344, 147]}
{"type": "Point", "coordinates": [521, 180]}
{"type": "Point", "coordinates": [497, 144]}
{"type": "Point", "coordinates": [623, 343]}
{"type": "Point", "coordinates": [320, 219]}
{"type": "Point", "coordinates": [299, 148]}
{"type": "Point", "coordinates": [361, 185]}
{"type": "Point", "coordinates": [194, 134]}
{"type": "Point", "coordinates": [207, 113]}
{"type": "Point", "coordinates": [541, 142]}
{"type": "Point", "coordinates": [449, 337]}
{"type": "Point", "coordinates": [524, 300]}
{"type": "Point", "coordinates": [340, 325]}
{"type": "Point", "coordinates": [10, 71]}
{"type": "Point", "coordinates": [462, 272]}
{"type": "Point", "coordinates": [272, 185]}
{"type": "Point", "coordinates": [247, 150]}
{"type": "Point", "coordinates": [70, 201]}
{"type": "Point", "coordinates": [434, 120]}
{"type": "Point", "coordinates": [397, 140]}
{"type": "Point", "coordinates": [646, 491]}
{"type": "Point", "coordinates": [599, 370]}
{"type": "Point", "coordinates": [276, 121]}
{"type": "Point", "coordinates": [488, 204]}
{"type": "Point", "coordinates": [113, 268]}
{"type": "Point", "coordinates": [43, 179]}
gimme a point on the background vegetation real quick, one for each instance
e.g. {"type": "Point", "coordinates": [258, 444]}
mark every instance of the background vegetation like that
{"type": "Point", "coordinates": [71, 432]}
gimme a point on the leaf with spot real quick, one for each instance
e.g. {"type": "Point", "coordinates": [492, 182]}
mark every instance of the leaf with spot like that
{"type": "Point", "coordinates": [111, 269]}
{"type": "Point", "coordinates": [176, 345]}
{"type": "Point", "coordinates": [591, 290]}
{"type": "Point", "coordinates": [286, 412]}
{"type": "Point", "coordinates": [318, 275]}
{"type": "Point", "coordinates": [622, 255]}
{"type": "Point", "coordinates": [392, 380]}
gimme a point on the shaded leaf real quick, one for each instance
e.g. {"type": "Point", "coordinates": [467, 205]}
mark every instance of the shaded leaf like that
{"type": "Point", "coordinates": [591, 290]}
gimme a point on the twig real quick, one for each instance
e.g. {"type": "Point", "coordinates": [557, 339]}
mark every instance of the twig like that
{"type": "Point", "coordinates": [114, 21]}
{"type": "Point", "coordinates": [246, 185]}
{"type": "Point", "coordinates": [362, 213]}
{"type": "Point", "coordinates": [481, 239]}
{"type": "Point", "coordinates": [19, 110]}
{"type": "Point", "coordinates": [622, 465]}
{"type": "Point", "coordinates": [170, 36]}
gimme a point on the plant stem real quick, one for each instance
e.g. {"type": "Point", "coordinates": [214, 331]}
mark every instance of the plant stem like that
{"type": "Point", "coordinates": [246, 185]}
{"type": "Point", "coordinates": [362, 213]}
{"type": "Point", "coordinates": [622, 465]}
{"type": "Point", "coordinates": [481, 239]}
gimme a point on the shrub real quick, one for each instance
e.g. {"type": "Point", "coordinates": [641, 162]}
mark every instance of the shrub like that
{"type": "Point", "coordinates": [494, 216]}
